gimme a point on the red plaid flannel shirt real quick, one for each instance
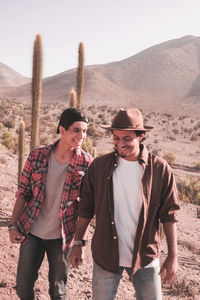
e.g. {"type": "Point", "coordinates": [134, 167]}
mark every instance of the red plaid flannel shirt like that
{"type": "Point", "coordinates": [32, 189]}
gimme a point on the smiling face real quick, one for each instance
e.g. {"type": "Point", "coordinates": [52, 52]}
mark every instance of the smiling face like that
{"type": "Point", "coordinates": [127, 143]}
{"type": "Point", "coordinates": [74, 136]}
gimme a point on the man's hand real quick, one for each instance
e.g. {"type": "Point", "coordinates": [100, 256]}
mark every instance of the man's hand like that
{"type": "Point", "coordinates": [169, 268]}
{"type": "Point", "coordinates": [76, 256]}
{"type": "Point", "coordinates": [15, 236]}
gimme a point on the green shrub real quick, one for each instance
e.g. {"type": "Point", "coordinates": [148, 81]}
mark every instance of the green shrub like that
{"type": "Point", "coordinates": [87, 145]}
{"type": "Point", "coordinates": [197, 166]}
{"type": "Point", "coordinates": [9, 140]}
{"type": "Point", "coordinates": [170, 158]}
{"type": "Point", "coordinates": [189, 190]}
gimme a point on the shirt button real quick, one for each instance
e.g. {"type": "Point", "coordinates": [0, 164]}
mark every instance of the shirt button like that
{"type": "Point", "coordinates": [113, 223]}
{"type": "Point", "coordinates": [115, 165]}
{"type": "Point", "coordinates": [114, 237]}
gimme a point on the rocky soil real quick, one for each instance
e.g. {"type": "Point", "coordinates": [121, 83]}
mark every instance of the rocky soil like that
{"type": "Point", "coordinates": [185, 286]}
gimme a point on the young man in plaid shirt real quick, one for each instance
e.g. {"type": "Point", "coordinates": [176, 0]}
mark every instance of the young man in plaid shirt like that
{"type": "Point", "coordinates": [45, 211]}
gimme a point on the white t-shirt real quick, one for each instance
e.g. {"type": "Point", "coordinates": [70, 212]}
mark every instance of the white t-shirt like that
{"type": "Point", "coordinates": [127, 189]}
{"type": "Point", "coordinates": [127, 206]}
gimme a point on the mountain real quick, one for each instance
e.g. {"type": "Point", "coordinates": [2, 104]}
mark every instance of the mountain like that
{"type": "Point", "coordinates": [10, 78]}
{"type": "Point", "coordinates": [163, 76]}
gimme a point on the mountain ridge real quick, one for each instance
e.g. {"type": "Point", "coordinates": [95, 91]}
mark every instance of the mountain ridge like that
{"type": "Point", "coordinates": [164, 74]}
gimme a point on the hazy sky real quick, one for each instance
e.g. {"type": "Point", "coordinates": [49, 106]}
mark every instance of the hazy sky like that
{"type": "Point", "coordinates": [111, 30]}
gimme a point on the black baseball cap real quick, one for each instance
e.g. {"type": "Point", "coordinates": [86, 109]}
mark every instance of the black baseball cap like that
{"type": "Point", "coordinates": [69, 116]}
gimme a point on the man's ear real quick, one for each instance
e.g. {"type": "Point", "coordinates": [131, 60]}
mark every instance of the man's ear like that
{"type": "Point", "coordinates": [142, 137]}
{"type": "Point", "coordinates": [61, 130]}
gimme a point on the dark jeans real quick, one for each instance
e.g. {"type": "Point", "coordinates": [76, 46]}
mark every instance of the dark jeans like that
{"type": "Point", "coordinates": [30, 259]}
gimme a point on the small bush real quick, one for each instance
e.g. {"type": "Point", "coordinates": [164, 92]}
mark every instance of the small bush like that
{"type": "Point", "coordinates": [170, 158]}
{"type": "Point", "coordinates": [194, 137]}
{"type": "Point", "coordinates": [10, 141]}
{"type": "Point", "coordinates": [197, 166]}
{"type": "Point", "coordinates": [93, 131]}
{"type": "Point", "coordinates": [189, 190]}
{"type": "Point", "coordinates": [9, 123]}
{"type": "Point", "coordinates": [87, 145]}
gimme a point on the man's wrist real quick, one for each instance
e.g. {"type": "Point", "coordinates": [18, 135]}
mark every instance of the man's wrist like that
{"type": "Point", "coordinates": [80, 243]}
{"type": "Point", "coordinates": [12, 227]}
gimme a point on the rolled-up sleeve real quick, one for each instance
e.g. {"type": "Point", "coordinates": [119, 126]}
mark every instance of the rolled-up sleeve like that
{"type": "Point", "coordinates": [169, 207]}
{"type": "Point", "coordinates": [24, 190]}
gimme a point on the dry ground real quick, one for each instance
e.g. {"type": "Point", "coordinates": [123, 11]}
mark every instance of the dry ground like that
{"type": "Point", "coordinates": [176, 133]}
{"type": "Point", "coordinates": [186, 286]}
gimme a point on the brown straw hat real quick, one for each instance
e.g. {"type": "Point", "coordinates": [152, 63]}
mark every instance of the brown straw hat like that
{"type": "Point", "coordinates": [129, 119]}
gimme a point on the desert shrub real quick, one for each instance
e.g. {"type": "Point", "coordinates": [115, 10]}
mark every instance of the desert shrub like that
{"type": "Point", "coordinates": [182, 117]}
{"type": "Point", "coordinates": [182, 287]}
{"type": "Point", "coordinates": [2, 147]}
{"type": "Point", "coordinates": [92, 109]}
{"type": "Point", "coordinates": [10, 141]}
{"type": "Point", "coordinates": [194, 137]}
{"type": "Point", "coordinates": [53, 127]}
{"type": "Point", "coordinates": [170, 158]}
{"type": "Point", "coordinates": [101, 116]}
{"type": "Point", "coordinates": [87, 145]}
{"type": "Point", "coordinates": [189, 190]}
{"type": "Point", "coordinates": [197, 126]}
{"type": "Point", "coordinates": [175, 131]}
{"type": "Point", "coordinates": [9, 123]}
{"type": "Point", "coordinates": [103, 108]}
{"type": "Point", "coordinates": [93, 131]}
{"type": "Point", "coordinates": [197, 165]}
{"type": "Point", "coordinates": [45, 140]}
{"type": "Point", "coordinates": [3, 160]}
{"type": "Point", "coordinates": [172, 138]}
{"type": "Point", "coordinates": [1, 126]}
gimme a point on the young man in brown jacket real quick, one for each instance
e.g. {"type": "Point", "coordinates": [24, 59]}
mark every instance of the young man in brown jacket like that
{"type": "Point", "coordinates": [130, 191]}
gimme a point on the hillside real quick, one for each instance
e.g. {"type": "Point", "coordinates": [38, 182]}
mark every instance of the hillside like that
{"type": "Point", "coordinates": [10, 78]}
{"type": "Point", "coordinates": [161, 77]}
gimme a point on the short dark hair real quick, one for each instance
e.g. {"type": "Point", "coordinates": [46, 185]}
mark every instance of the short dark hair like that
{"type": "Point", "coordinates": [69, 116]}
{"type": "Point", "coordinates": [139, 133]}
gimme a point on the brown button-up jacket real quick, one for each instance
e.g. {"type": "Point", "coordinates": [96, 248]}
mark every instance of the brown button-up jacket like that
{"type": "Point", "coordinates": [160, 204]}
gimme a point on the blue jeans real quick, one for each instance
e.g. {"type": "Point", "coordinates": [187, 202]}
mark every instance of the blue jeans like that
{"type": "Point", "coordinates": [146, 281]}
{"type": "Point", "coordinates": [30, 259]}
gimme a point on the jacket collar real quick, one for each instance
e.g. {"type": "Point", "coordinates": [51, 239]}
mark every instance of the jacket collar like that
{"type": "Point", "coordinates": [144, 154]}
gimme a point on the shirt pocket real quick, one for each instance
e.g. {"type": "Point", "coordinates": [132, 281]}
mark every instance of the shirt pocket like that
{"type": "Point", "coordinates": [76, 180]}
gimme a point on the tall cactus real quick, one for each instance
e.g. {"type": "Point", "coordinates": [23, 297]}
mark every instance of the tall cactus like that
{"type": "Point", "coordinates": [21, 148]}
{"type": "Point", "coordinates": [72, 102]}
{"type": "Point", "coordinates": [36, 91]}
{"type": "Point", "coordinates": [80, 75]}
{"type": "Point", "coordinates": [94, 152]}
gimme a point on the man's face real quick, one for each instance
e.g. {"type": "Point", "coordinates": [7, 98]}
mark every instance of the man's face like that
{"type": "Point", "coordinates": [75, 135]}
{"type": "Point", "coordinates": [127, 143]}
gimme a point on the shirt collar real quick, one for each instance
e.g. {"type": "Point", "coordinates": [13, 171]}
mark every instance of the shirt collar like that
{"type": "Point", "coordinates": [143, 156]}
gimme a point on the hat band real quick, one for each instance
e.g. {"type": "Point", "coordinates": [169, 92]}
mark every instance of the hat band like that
{"type": "Point", "coordinates": [133, 126]}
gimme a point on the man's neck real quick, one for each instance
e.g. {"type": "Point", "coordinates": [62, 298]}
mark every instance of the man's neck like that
{"type": "Point", "coordinates": [62, 153]}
